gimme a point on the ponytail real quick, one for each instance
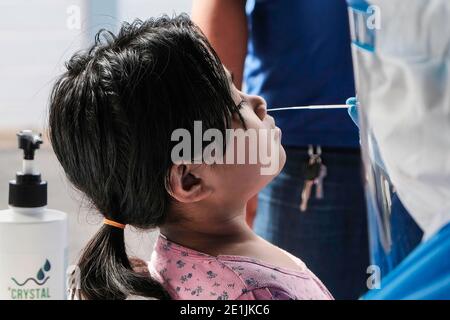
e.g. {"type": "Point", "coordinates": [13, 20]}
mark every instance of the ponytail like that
{"type": "Point", "coordinates": [106, 273]}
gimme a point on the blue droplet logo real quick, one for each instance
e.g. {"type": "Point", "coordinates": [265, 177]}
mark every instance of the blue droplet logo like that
{"type": "Point", "coordinates": [40, 275]}
{"type": "Point", "coordinates": [47, 266]}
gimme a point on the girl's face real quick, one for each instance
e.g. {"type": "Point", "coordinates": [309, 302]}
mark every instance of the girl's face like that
{"type": "Point", "coordinates": [253, 157]}
{"type": "Point", "coordinates": [258, 155]}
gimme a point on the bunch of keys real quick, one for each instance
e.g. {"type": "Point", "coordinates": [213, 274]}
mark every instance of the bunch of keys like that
{"type": "Point", "coordinates": [315, 172]}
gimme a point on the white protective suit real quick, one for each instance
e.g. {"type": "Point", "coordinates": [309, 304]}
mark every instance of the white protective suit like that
{"type": "Point", "coordinates": [403, 86]}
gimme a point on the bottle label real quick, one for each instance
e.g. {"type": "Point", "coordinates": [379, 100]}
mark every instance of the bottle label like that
{"type": "Point", "coordinates": [32, 276]}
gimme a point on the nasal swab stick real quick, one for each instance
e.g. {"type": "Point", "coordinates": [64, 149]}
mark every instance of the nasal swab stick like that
{"type": "Point", "coordinates": [317, 107]}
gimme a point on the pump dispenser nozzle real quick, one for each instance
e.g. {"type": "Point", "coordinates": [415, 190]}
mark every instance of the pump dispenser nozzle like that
{"type": "Point", "coordinates": [29, 142]}
{"type": "Point", "coordinates": [28, 190]}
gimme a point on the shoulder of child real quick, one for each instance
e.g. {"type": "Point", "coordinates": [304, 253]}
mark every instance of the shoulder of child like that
{"type": "Point", "coordinates": [217, 279]}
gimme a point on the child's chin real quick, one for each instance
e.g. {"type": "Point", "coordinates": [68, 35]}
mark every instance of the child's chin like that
{"type": "Point", "coordinates": [283, 158]}
{"type": "Point", "coordinates": [282, 161]}
{"type": "Point", "coordinates": [273, 172]}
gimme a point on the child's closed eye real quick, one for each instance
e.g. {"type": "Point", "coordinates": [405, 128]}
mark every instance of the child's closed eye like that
{"type": "Point", "coordinates": [237, 112]}
{"type": "Point", "coordinates": [241, 104]}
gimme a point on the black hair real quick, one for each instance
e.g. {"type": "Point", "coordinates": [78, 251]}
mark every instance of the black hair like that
{"type": "Point", "coordinates": [111, 117]}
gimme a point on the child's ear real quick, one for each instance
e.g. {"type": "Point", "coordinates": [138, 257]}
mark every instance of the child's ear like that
{"type": "Point", "coordinates": [186, 183]}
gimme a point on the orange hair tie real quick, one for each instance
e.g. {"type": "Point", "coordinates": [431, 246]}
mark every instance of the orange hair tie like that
{"type": "Point", "coordinates": [114, 223]}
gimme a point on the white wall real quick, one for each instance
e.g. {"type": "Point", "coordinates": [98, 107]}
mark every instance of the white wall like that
{"type": "Point", "coordinates": [130, 9]}
{"type": "Point", "coordinates": [34, 41]}
{"type": "Point", "coordinates": [37, 36]}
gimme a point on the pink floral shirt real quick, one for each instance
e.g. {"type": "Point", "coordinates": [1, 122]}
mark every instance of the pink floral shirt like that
{"type": "Point", "coordinates": [191, 275]}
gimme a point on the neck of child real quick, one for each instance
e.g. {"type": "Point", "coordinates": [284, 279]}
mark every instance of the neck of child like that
{"type": "Point", "coordinates": [212, 231]}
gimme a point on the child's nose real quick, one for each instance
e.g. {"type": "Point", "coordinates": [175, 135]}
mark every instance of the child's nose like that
{"type": "Point", "coordinates": [259, 106]}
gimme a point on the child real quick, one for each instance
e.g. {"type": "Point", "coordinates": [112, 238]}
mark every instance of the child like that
{"type": "Point", "coordinates": [113, 115]}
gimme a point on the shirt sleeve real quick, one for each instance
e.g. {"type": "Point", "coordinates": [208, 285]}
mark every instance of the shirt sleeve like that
{"type": "Point", "coordinates": [265, 294]}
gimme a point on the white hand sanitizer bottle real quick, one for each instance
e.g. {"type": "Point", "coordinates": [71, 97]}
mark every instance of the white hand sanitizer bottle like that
{"type": "Point", "coordinates": [33, 239]}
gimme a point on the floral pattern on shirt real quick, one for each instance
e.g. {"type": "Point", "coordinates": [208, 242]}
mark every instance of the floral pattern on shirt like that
{"type": "Point", "coordinates": [189, 274]}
